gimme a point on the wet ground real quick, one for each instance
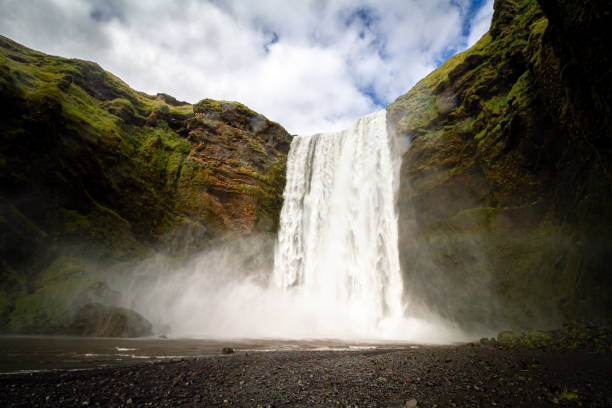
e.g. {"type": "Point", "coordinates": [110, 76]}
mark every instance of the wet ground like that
{"type": "Point", "coordinates": [40, 353]}
{"type": "Point", "coordinates": [442, 376]}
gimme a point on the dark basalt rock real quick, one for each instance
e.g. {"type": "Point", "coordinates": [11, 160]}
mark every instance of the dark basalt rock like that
{"type": "Point", "coordinates": [171, 100]}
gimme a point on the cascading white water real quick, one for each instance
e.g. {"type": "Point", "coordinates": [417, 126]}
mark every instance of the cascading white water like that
{"type": "Point", "coordinates": [338, 228]}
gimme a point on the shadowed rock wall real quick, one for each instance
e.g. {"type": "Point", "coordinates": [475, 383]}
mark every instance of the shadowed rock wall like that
{"type": "Point", "coordinates": [504, 204]}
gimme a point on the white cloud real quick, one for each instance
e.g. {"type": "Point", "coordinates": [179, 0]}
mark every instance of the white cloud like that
{"type": "Point", "coordinates": [310, 65]}
{"type": "Point", "coordinates": [480, 23]}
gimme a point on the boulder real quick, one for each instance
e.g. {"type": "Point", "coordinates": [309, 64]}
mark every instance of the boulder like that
{"type": "Point", "coordinates": [95, 319]}
{"type": "Point", "coordinates": [507, 338]}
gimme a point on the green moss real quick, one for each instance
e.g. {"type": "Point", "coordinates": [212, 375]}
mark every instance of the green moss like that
{"type": "Point", "coordinates": [74, 222]}
{"type": "Point", "coordinates": [538, 27]}
{"type": "Point", "coordinates": [210, 104]}
{"type": "Point", "coordinates": [218, 106]}
{"type": "Point", "coordinates": [536, 339]}
{"type": "Point", "coordinates": [496, 104]}
{"type": "Point", "coordinates": [186, 110]}
{"type": "Point", "coordinates": [83, 108]}
{"type": "Point", "coordinates": [257, 176]}
{"type": "Point", "coordinates": [465, 126]}
{"type": "Point", "coordinates": [480, 134]}
{"type": "Point", "coordinates": [520, 94]}
{"type": "Point", "coordinates": [247, 188]}
{"type": "Point", "coordinates": [58, 272]}
{"type": "Point", "coordinates": [49, 305]}
{"type": "Point", "coordinates": [108, 211]}
{"type": "Point", "coordinates": [110, 172]}
{"type": "Point", "coordinates": [256, 146]}
{"type": "Point", "coordinates": [568, 396]}
{"type": "Point", "coordinates": [95, 319]}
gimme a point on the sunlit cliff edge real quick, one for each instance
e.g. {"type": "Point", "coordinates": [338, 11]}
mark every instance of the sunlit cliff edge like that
{"type": "Point", "coordinates": [505, 214]}
{"type": "Point", "coordinates": [93, 172]}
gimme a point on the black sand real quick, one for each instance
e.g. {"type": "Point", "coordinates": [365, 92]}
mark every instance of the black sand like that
{"type": "Point", "coordinates": [462, 376]}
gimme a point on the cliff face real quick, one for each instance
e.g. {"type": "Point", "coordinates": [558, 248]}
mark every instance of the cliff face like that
{"type": "Point", "coordinates": [504, 198]}
{"type": "Point", "coordinates": [92, 170]}
{"type": "Point", "coordinates": [504, 203]}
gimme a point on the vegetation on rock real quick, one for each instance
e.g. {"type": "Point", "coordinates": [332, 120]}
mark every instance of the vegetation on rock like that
{"type": "Point", "coordinates": [94, 319]}
{"type": "Point", "coordinates": [93, 172]}
{"type": "Point", "coordinates": [571, 336]}
{"type": "Point", "coordinates": [510, 139]}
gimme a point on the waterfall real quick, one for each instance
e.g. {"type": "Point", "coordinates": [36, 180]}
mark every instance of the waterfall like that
{"type": "Point", "coordinates": [336, 268]}
{"type": "Point", "coordinates": [337, 242]}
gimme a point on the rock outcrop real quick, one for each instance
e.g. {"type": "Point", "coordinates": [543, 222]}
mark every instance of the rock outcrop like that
{"type": "Point", "coordinates": [95, 319]}
{"type": "Point", "coordinates": [504, 207]}
{"type": "Point", "coordinates": [97, 173]}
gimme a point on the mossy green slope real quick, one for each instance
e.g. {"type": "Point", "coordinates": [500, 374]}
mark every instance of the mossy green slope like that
{"type": "Point", "coordinates": [95, 171]}
{"type": "Point", "coordinates": [504, 203]}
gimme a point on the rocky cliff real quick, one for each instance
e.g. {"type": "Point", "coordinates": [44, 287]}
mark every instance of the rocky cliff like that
{"type": "Point", "coordinates": [93, 172]}
{"type": "Point", "coordinates": [504, 198]}
{"type": "Point", "coordinates": [505, 215]}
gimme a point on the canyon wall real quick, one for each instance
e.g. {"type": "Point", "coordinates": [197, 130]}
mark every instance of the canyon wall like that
{"type": "Point", "coordinates": [505, 215]}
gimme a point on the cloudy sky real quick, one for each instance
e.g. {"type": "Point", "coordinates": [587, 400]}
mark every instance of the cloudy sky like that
{"type": "Point", "coordinates": [312, 65]}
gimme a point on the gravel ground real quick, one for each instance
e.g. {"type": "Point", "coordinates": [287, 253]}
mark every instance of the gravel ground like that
{"type": "Point", "coordinates": [442, 376]}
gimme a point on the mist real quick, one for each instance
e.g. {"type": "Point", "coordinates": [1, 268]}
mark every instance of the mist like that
{"type": "Point", "coordinates": [335, 273]}
{"type": "Point", "coordinates": [218, 295]}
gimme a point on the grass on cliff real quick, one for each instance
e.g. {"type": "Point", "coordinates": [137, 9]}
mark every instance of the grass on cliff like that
{"type": "Point", "coordinates": [112, 173]}
{"type": "Point", "coordinates": [488, 144]}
